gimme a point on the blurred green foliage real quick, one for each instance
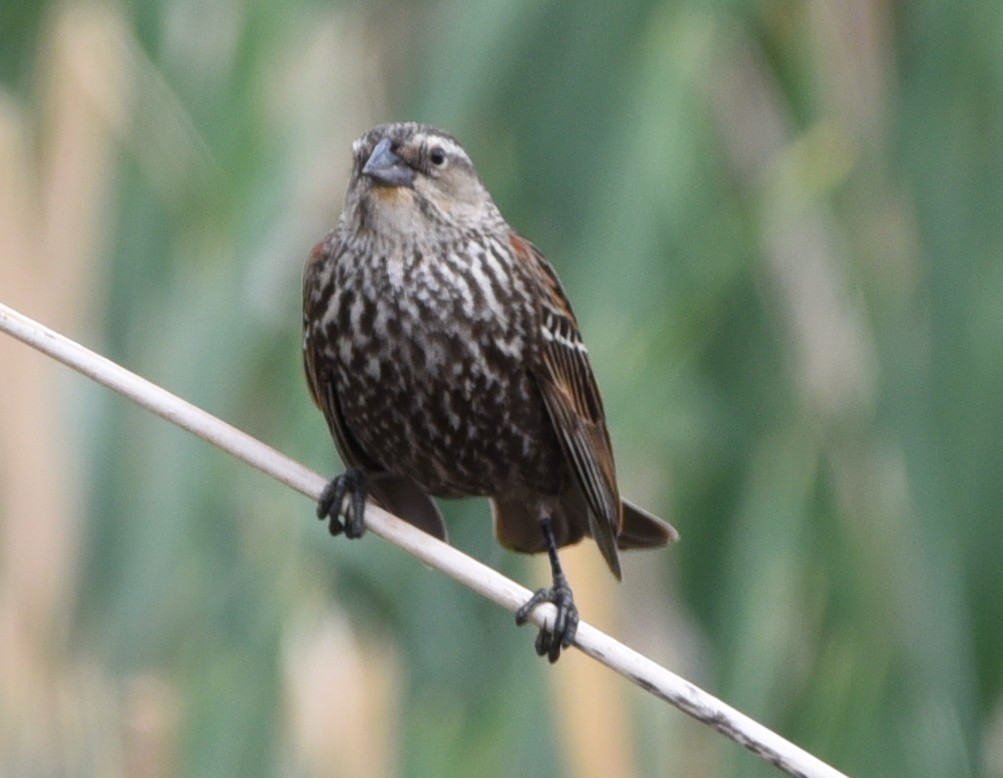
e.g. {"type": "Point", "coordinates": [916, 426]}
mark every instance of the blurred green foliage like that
{"type": "Point", "coordinates": [780, 227]}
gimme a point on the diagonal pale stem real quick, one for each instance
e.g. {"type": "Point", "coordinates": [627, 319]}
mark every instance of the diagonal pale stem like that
{"type": "Point", "coordinates": [482, 579]}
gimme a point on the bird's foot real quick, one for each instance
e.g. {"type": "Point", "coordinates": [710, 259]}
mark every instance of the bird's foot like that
{"type": "Point", "coordinates": [351, 485]}
{"type": "Point", "coordinates": [562, 634]}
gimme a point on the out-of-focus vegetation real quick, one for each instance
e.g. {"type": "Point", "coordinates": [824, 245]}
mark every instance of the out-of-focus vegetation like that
{"type": "Point", "coordinates": [780, 224]}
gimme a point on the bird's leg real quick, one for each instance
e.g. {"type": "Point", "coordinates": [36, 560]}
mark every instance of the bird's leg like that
{"type": "Point", "coordinates": [350, 484]}
{"type": "Point", "coordinates": [562, 634]}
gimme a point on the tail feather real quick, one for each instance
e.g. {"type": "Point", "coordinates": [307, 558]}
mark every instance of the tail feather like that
{"type": "Point", "coordinates": [641, 529]}
{"type": "Point", "coordinates": [517, 527]}
{"type": "Point", "coordinates": [404, 498]}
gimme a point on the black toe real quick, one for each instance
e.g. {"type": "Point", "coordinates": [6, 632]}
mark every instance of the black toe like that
{"type": "Point", "coordinates": [352, 485]}
{"type": "Point", "coordinates": [550, 642]}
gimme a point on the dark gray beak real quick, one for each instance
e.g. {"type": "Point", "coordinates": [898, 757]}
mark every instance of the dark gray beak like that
{"type": "Point", "coordinates": [386, 167]}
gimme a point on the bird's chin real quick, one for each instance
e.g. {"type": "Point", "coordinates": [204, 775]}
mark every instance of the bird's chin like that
{"type": "Point", "coordinates": [391, 195]}
{"type": "Point", "coordinates": [392, 210]}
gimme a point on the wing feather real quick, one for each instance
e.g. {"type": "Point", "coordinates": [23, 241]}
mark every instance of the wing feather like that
{"type": "Point", "coordinates": [574, 404]}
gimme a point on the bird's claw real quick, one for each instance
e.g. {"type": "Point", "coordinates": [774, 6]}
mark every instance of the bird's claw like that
{"type": "Point", "coordinates": [550, 642]}
{"type": "Point", "coordinates": [352, 485]}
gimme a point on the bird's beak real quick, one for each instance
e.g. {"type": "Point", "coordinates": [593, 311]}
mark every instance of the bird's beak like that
{"type": "Point", "coordinates": [386, 167]}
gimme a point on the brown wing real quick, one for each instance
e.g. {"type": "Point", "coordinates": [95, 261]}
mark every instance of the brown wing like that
{"type": "Point", "coordinates": [575, 407]}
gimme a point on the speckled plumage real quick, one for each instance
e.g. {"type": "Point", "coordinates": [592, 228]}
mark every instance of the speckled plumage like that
{"type": "Point", "coordinates": [410, 337]}
{"type": "Point", "coordinates": [446, 358]}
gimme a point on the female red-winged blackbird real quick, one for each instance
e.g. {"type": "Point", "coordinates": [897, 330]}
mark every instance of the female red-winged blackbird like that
{"type": "Point", "coordinates": [447, 361]}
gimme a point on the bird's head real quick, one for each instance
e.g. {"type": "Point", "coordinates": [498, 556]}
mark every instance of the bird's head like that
{"type": "Point", "coordinates": [411, 177]}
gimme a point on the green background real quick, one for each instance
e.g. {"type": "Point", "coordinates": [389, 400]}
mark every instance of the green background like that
{"type": "Point", "coordinates": [779, 223]}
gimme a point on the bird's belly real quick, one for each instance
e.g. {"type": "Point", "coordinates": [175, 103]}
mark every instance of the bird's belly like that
{"type": "Point", "coordinates": [457, 415]}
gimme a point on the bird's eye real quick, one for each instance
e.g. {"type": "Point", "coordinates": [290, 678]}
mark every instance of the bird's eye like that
{"type": "Point", "coordinates": [437, 156]}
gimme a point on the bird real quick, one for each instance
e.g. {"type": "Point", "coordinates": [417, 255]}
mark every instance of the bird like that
{"type": "Point", "coordinates": [447, 361]}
